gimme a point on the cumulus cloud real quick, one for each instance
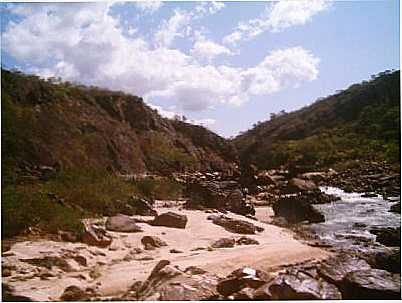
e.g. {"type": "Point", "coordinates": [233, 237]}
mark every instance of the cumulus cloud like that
{"type": "Point", "coordinates": [83, 43]}
{"type": "Point", "coordinates": [149, 6]}
{"type": "Point", "coordinates": [277, 17]}
{"type": "Point", "coordinates": [207, 49]}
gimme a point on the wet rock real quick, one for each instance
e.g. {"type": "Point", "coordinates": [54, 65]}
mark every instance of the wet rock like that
{"type": "Point", "coordinates": [224, 243]}
{"type": "Point", "coordinates": [242, 278]}
{"type": "Point", "coordinates": [95, 236]}
{"type": "Point", "coordinates": [371, 284]}
{"type": "Point", "coordinates": [369, 195]}
{"type": "Point", "coordinates": [396, 208]}
{"type": "Point", "coordinates": [235, 226]}
{"type": "Point", "coordinates": [170, 219]}
{"type": "Point", "coordinates": [74, 293]}
{"type": "Point", "coordinates": [335, 269]}
{"type": "Point", "coordinates": [122, 223]}
{"type": "Point", "coordinates": [388, 236]}
{"type": "Point", "coordinates": [166, 283]}
{"type": "Point", "coordinates": [296, 185]}
{"type": "Point", "coordinates": [152, 242]}
{"type": "Point", "coordinates": [297, 209]}
{"type": "Point", "coordinates": [297, 285]}
{"type": "Point", "coordinates": [246, 241]}
{"type": "Point", "coordinates": [389, 260]}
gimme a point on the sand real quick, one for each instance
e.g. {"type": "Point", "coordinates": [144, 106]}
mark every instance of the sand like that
{"type": "Point", "coordinates": [111, 271]}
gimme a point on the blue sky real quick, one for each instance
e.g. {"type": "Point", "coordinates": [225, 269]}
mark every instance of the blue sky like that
{"type": "Point", "coordinates": [225, 65]}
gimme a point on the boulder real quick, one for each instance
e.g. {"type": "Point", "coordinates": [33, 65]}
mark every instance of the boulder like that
{"type": "Point", "coordinates": [141, 207]}
{"type": "Point", "coordinates": [371, 284]}
{"type": "Point", "coordinates": [388, 236]}
{"type": "Point", "coordinates": [166, 283]}
{"type": "Point", "coordinates": [95, 236]}
{"type": "Point", "coordinates": [152, 242]}
{"type": "Point", "coordinates": [170, 219]}
{"type": "Point", "coordinates": [74, 293]}
{"type": "Point", "coordinates": [122, 223]}
{"type": "Point", "coordinates": [242, 278]}
{"type": "Point", "coordinates": [235, 226]}
{"type": "Point", "coordinates": [335, 269]}
{"type": "Point", "coordinates": [49, 262]}
{"type": "Point", "coordinates": [297, 285]}
{"type": "Point", "coordinates": [389, 260]}
{"type": "Point", "coordinates": [246, 241]}
{"type": "Point", "coordinates": [296, 209]}
{"type": "Point", "coordinates": [296, 185]}
{"type": "Point", "coordinates": [396, 208]}
{"type": "Point", "coordinates": [224, 243]}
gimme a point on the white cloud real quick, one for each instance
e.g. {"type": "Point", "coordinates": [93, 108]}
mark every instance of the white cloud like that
{"type": "Point", "coordinates": [277, 17]}
{"type": "Point", "coordinates": [87, 45]}
{"type": "Point", "coordinates": [149, 6]}
{"type": "Point", "coordinates": [207, 49]}
{"type": "Point", "coordinates": [172, 28]}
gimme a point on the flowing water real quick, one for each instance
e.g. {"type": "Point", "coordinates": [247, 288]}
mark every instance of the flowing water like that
{"type": "Point", "coordinates": [349, 220]}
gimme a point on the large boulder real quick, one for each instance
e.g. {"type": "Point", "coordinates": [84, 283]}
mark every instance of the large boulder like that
{"type": "Point", "coordinates": [388, 236]}
{"type": "Point", "coordinates": [170, 219]}
{"type": "Point", "coordinates": [122, 223]}
{"type": "Point", "coordinates": [297, 285]}
{"type": "Point", "coordinates": [297, 209]}
{"type": "Point", "coordinates": [371, 284]}
{"type": "Point", "coordinates": [296, 185]}
{"type": "Point", "coordinates": [167, 283]}
{"type": "Point", "coordinates": [235, 226]}
{"type": "Point", "coordinates": [95, 236]}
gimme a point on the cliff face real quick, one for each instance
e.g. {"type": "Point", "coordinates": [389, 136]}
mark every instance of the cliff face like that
{"type": "Point", "coordinates": [73, 126]}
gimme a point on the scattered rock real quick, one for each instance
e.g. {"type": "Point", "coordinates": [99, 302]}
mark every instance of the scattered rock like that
{"type": "Point", "coordinates": [152, 242]}
{"type": "Point", "coordinates": [50, 261]}
{"type": "Point", "coordinates": [224, 243]}
{"type": "Point", "coordinates": [170, 219]}
{"type": "Point", "coordinates": [371, 284]}
{"type": "Point", "coordinates": [122, 223]}
{"type": "Point", "coordinates": [247, 241]}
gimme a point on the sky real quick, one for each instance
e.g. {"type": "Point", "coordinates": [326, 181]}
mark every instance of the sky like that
{"type": "Point", "coordinates": [224, 65]}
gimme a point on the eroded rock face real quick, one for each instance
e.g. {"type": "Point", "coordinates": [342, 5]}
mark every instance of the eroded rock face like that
{"type": "Point", "coordinates": [371, 284]}
{"type": "Point", "coordinates": [170, 219]}
{"type": "Point", "coordinates": [297, 209]}
{"type": "Point", "coordinates": [166, 283]}
{"type": "Point", "coordinates": [122, 223]}
{"type": "Point", "coordinates": [235, 226]}
{"type": "Point", "coordinates": [297, 285]}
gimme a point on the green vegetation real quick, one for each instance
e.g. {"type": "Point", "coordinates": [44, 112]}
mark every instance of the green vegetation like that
{"type": "Point", "coordinates": [359, 123]}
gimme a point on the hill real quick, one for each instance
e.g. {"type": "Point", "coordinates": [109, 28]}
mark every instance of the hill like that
{"type": "Point", "coordinates": [361, 122]}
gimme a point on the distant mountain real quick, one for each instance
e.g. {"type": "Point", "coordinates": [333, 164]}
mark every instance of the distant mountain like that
{"type": "Point", "coordinates": [359, 123]}
{"type": "Point", "coordinates": [51, 123]}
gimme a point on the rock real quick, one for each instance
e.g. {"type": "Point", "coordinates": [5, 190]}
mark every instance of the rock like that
{"type": "Point", "coordinates": [335, 269]}
{"type": "Point", "coordinates": [389, 260]}
{"type": "Point", "coordinates": [50, 261]}
{"type": "Point", "coordinates": [388, 236]}
{"type": "Point", "coordinates": [297, 285]}
{"type": "Point", "coordinates": [369, 195]}
{"type": "Point", "coordinates": [95, 236]}
{"type": "Point", "coordinates": [296, 185]}
{"type": "Point", "coordinates": [175, 251]}
{"type": "Point", "coordinates": [166, 283]}
{"type": "Point", "coordinates": [297, 209]}
{"type": "Point", "coordinates": [243, 295]}
{"type": "Point", "coordinates": [371, 284]}
{"type": "Point", "coordinates": [68, 236]}
{"type": "Point", "coordinates": [242, 278]}
{"type": "Point", "coordinates": [152, 242]}
{"type": "Point", "coordinates": [193, 270]}
{"type": "Point", "coordinates": [7, 295]}
{"type": "Point", "coordinates": [247, 241]}
{"type": "Point", "coordinates": [142, 207]}
{"type": "Point", "coordinates": [224, 243]}
{"type": "Point", "coordinates": [170, 219]}
{"type": "Point", "coordinates": [314, 176]}
{"type": "Point", "coordinates": [122, 223]}
{"type": "Point", "coordinates": [235, 226]}
{"type": "Point", "coordinates": [74, 293]}
{"type": "Point", "coordinates": [236, 203]}
{"type": "Point", "coordinates": [396, 208]}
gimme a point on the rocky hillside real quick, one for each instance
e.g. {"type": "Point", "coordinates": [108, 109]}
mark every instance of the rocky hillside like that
{"type": "Point", "coordinates": [361, 122]}
{"type": "Point", "coordinates": [52, 123]}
